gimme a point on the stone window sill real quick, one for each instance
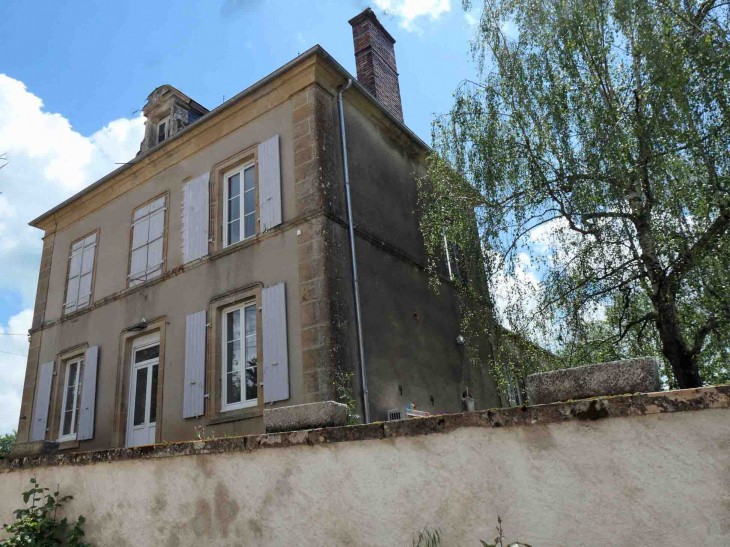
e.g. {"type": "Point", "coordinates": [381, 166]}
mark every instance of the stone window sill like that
{"type": "Point", "coordinates": [235, 415]}
{"type": "Point", "coordinates": [66, 445]}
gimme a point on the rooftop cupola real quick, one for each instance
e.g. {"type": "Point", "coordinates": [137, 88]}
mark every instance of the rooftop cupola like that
{"type": "Point", "coordinates": [168, 111]}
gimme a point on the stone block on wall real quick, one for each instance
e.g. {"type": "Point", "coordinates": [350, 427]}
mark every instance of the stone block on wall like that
{"type": "Point", "coordinates": [616, 378]}
{"type": "Point", "coordinates": [308, 416]}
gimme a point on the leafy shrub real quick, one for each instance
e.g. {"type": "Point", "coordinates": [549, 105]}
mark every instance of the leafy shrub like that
{"type": "Point", "coordinates": [6, 444]}
{"type": "Point", "coordinates": [37, 525]}
{"type": "Point", "coordinates": [432, 538]}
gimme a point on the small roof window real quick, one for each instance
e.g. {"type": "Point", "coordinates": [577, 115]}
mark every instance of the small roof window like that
{"type": "Point", "coordinates": [163, 130]}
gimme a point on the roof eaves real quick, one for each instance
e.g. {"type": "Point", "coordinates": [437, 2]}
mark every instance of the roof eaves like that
{"type": "Point", "coordinates": [317, 49]}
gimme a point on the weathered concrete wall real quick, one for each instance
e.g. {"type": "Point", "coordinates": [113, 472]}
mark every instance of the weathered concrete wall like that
{"type": "Point", "coordinates": [409, 331]}
{"type": "Point", "coordinates": [637, 470]}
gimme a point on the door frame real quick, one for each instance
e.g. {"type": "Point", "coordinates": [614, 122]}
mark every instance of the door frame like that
{"type": "Point", "coordinates": [142, 342]}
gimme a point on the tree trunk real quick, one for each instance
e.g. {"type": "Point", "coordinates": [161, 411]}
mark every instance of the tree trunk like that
{"type": "Point", "coordinates": [683, 361]}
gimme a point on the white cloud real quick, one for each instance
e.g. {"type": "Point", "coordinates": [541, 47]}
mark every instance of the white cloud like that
{"type": "Point", "coordinates": [471, 19]}
{"type": "Point", "coordinates": [516, 294]}
{"type": "Point", "coordinates": [410, 10]}
{"type": "Point", "coordinates": [48, 162]}
{"type": "Point", "coordinates": [301, 39]}
{"type": "Point", "coordinates": [12, 368]}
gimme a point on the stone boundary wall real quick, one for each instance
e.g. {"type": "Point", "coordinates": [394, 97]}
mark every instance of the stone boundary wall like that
{"type": "Point", "coordinates": [645, 469]}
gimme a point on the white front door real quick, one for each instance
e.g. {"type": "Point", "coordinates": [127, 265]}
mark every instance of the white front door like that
{"type": "Point", "coordinates": [142, 415]}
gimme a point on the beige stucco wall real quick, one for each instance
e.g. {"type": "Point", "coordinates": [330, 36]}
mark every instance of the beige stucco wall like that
{"type": "Point", "coordinates": [659, 479]}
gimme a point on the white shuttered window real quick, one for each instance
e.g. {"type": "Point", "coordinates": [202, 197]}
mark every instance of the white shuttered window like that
{"type": "Point", "coordinates": [80, 274]}
{"type": "Point", "coordinates": [148, 234]}
{"type": "Point", "coordinates": [71, 400]}
{"type": "Point", "coordinates": [239, 213]}
{"type": "Point", "coordinates": [240, 361]}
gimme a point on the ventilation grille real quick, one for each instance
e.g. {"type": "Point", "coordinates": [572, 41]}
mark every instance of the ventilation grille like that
{"type": "Point", "coordinates": [396, 414]}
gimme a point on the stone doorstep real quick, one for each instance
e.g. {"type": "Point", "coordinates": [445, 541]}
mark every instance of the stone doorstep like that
{"type": "Point", "coordinates": [604, 379]}
{"type": "Point", "coordinates": [641, 404]}
{"type": "Point", "coordinates": [307, 416]}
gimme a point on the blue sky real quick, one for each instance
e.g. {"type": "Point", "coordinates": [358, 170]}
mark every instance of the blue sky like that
{"type": "Point", "coordinates": [73, 74]}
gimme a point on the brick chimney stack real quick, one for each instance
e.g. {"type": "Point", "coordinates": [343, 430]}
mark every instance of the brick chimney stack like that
{"type": "Point", "coordinates": [375, 61]}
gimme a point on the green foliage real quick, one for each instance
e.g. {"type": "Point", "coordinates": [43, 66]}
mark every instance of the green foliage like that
{"type": "Point", "coordinates": [432, 538]}
{"type": "Point", "coordinates": [428, 538]}
{"type": "Point", "coordinates": [6, 444]}
{"type": "Point", "coordinates": [343, 388]}
{"type": "Point", "coordinates": [38, 526]}
{"type": "Point", "coordinates": [587, 175]}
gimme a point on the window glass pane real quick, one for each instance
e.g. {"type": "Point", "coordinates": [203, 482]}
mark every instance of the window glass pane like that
{"type": "Point", "coordinates": [161, 131]}
{"type": "Point", "coordinates": [234, 325]}
{"type": "Point", "coordinates": [250, 226]}
{"type": "Point", "coordinates": [140, 395]}
{"type": "Point", "coordinates": [67, 419]}
{"type": "Point", "coordinates": [251, 387]}
{"type": "Point", "coordinates": [234, 185]}
{"type": "Point", "coordinates": [249, 202]}
{"type": "Point", "coordinates": [89, 240]}
{"type": "Point", "coordinates": [146, 354]}
{"type": "Point", "coordinates": [234, 209]}
{"type": "Point", "coordinates": [234, 232]}
{"type": "Point", "coordinates": [71, 386]}
{"type": "Point", "coordinates": [248, 178]}
{"type": "Point", "coordinates": [153, 396]}
{"type": "Point", "coordinates": [233, 388]}
{"type": "Point", "coordinates": [250, 320]}
{"type": "Point", "coordinates": [233, 356]}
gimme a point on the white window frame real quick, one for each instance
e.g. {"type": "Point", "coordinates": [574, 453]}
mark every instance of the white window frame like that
{"type": "Point", "coordinates": [84, 249]}
{"type": "Point", "coordinates": [226, 176]}
{"type": "Point", "coordinates": [79, 362]}
{"type": "Point", "coordinates": [139, 278]}
{"type": "Point", "coordinates": [138, 344]}
{"type": "Point", "coordinates": [244, 403]}
{"type": "Point", "coordinates": [166, 121]}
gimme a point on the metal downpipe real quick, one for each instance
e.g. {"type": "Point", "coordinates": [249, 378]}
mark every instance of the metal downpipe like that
{"type": "Point", "coordinates": [361, 345]}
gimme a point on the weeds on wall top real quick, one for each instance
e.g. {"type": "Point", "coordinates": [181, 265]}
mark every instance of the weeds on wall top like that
{"type": "Point", "coordinates": [38, 526]}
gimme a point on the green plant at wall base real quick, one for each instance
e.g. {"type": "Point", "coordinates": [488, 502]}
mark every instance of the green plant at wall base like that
{"type": "Point", "coordinates": [428, 538]}
{"type": "Point", "coordinates": [432, 538]}
{"type": "Point", "coordinates": [6, 444]}
{"type": "Point", "coordinates": [343, 388]}
{"type": "Point", "coordinates": [37, 525]}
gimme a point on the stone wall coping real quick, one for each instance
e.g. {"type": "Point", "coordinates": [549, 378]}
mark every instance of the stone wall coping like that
{"type": "Point", "coordinates": [640, 404]}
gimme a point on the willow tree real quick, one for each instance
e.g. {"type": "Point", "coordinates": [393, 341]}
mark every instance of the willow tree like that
{"type": "Point", "coordinates": [593, 153]}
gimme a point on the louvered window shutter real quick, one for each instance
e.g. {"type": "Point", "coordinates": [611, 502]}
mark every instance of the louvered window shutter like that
{"type": "Point", "coordinates": [148, 230]}
{"type": "Point", "coordinates": [195, 210]}
{"type": "Point", "coordinates": [88, 394]}
{"type": "Point", "coordinates": [276, 360]}
{"type": "Point", "coordinates": [269, 184]}
{"type": "Point", "coordinates": [42, 400]}
{"type": "Point", "coordinates": [157, 231]}
{"type": "Point", "coordinates": [194, 389]}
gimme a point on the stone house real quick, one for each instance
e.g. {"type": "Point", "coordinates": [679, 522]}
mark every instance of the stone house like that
{"type": "Point", "coordinates": [213, 275]}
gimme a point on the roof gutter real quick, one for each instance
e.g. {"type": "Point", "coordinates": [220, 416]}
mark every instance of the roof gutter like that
{"type": "Point", "coordinates": [230, 102]}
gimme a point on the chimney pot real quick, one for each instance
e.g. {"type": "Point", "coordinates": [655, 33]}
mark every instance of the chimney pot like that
{"type": "Point", "coordinates": [375, 61]}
